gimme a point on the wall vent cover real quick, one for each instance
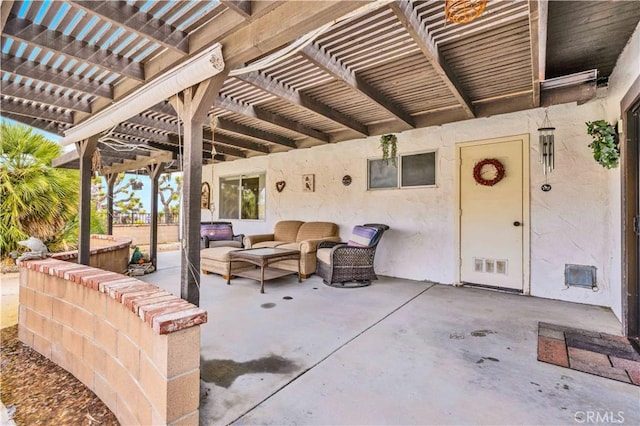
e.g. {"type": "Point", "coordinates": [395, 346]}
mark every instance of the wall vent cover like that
{"type": "Point", "coordinates": [580, 276]}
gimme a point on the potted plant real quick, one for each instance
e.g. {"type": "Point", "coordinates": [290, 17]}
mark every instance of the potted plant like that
{"type": "Point", "coordinates": [389, 148]}
{"type": "Point", "coordinates": [605, 143]}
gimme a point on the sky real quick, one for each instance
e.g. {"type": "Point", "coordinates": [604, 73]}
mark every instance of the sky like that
{"type": "Point", "coordinates": [144, 194]}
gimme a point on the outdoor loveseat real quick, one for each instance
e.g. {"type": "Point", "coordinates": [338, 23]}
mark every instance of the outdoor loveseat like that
{"type": "Point", "coordinates": [294, 234]}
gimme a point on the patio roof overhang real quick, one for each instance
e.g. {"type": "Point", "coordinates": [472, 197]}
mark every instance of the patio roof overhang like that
{"type": "Point", "coordinates": [296, 74]}
{"type": "Point", "coordinates": [397, 65]}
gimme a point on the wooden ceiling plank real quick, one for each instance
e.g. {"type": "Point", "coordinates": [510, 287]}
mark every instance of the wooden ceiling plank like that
{"type": "Point", "coordinates": [37, 95]}
{"type": "Point", "coordinates": [404, 11]}
{"type": "Point", "coordinates": [258, 113]}
{"type": "Point", "coordinates": [145, 25]}
{"type": "Point", "coordinates": [355, 82]}
{"type": "Point", "coordinates": [18, 108]}
{"type": "Point", "coordinates": [538, 35]}
{"type": "Point", "coordinates": [33, 34]}
{"type": "Point", "coordinates": [300, 99]}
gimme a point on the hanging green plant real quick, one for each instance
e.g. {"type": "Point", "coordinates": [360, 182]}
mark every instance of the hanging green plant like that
{"type": "Point", "coordinates": [389, 144]}
{"type": "Point", "coordinates": [605, 143]}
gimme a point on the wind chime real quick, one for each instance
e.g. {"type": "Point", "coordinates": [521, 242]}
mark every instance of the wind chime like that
{"type": "Point", "coordinates": [546, 151]}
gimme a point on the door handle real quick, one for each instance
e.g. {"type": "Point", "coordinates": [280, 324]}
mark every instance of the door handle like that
{"type": "Point", "coordinates": [516, 223]}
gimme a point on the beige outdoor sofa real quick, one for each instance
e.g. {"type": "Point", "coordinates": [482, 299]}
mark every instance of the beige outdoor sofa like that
{"type": "Point", "coordinates": [294, 234]}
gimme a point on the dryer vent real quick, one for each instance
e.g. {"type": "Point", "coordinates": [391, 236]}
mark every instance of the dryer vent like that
{"type": "Point", "coordinates": [580, 276]}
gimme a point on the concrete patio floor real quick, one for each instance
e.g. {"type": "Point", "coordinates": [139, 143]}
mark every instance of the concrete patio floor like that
{"type": "Point", "coordinates": [397, 352]}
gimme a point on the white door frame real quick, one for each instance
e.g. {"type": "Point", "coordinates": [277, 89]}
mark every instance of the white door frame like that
{"type": "Point", "coordinates": [526, 216]}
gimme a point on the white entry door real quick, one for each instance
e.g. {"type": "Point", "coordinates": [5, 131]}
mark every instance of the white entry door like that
{"type": "Point", "coordinates": [492, 217]}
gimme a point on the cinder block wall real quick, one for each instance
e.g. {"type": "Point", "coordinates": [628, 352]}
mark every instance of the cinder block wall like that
{"type": "Point", "coordinates": [134, 345]}
{"type": "Point", "coordinates": [141, 234]}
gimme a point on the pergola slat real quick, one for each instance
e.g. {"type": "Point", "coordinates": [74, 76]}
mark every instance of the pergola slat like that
{"type": "Point", "coordinates": [141, 23]}
{"type": "Point", "coordinates": [38, 95]}
{"type": "Point", "coordinates": [20, 108]}
{"type": "Point", "coordinates": [39, 35]}
{"type": "Point", "coordinates": [47, 74]}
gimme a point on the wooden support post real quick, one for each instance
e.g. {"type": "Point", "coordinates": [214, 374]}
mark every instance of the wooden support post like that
{"type": "Point", "coordinates": [111, 181]}
{"type": "Point", "coordinates": [193, 105]}
{"type": "Point", "coordinates": [155, 170]}
{"type": "Point", "coordinates": [85, 149]}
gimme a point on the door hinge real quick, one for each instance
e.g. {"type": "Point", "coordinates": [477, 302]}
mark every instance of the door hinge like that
{"type": "Point", "coordinates": [636, 225]}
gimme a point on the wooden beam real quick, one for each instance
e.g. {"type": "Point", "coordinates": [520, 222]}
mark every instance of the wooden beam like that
{"type": "Point", "coordinates": [48, 126]}
{"type": "Point", "coordinates": [141, 133]}
{"type": "Point", "coordinates": [175, 150]}
{"type": "Point", "coordinates": [111, 181]}
{"type": "Point", "coordinates": [191, 187]}
{"type": "Point", "coordinates": [229, 140]}
{"type": "Point", "coordinates": [269, 32]}
{"type": "Point", "coordinates": [154, 171]}
{"type": "Point", "coordinates": [121, 13]}
{"type": "Point", "coordinates": [580, 93]}
{"type": "Point", "coordinates": [227, 150]}
{"type": "Point", "coordinates": [404, 12]}
{"type": "Point", "coordinates": [29, 69]}
{"type": "Point", "coordinates": [355, 82]}
{"type": "Point", "coordinates": [243, 41]}
{"type": "Point", "coordinates": [5, 10]}
{"type": "Point", "coordinates": [85, 149]}
{"type": "Point", "coordinates": [154, 123]}
{"type": "Point", "coordinates": [140, 163]}
{"type": "Point", "coordinates": [233, 127]}
{"type": "Point", "coordinates": [19, 108]}
{"type": "Point", "coordinates": [258, 113]}
{"type": "Point", "coordinates": [229, 126]}
{"type": "Point", "coordinates": [39, 35]}
{"type": "Point", "coordinates": [38, 95]}
{"type": "Point", "coordinates": [192, 106]}
{"type": "Point", "coordinates": [242, 7]}
{"type": "Point", "coordinates": [538, 34]}
{"type": "Point", "coordinates": [298, 98]}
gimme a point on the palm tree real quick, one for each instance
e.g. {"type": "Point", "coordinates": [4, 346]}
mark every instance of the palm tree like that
{"type": "Point", "coordinates": [36, 199]}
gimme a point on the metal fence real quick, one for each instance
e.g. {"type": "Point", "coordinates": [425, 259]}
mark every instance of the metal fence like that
{"type": "Point", "coordinates": [143, 218]}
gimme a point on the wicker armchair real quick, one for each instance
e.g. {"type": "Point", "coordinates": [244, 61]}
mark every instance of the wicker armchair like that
{"type": "Point", "coordinates": [347, 265]}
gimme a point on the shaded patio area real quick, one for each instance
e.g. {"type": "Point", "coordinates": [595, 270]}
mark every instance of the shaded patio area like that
{"type": "Point", "coordinates": [397, 352]}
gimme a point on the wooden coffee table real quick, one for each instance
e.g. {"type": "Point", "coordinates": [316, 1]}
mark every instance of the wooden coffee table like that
{"type": "Point", "coordinates": [262, 257]}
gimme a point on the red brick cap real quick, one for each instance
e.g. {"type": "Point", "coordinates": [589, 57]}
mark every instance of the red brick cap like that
{"type": "Point", "coordinates": [173, 313]}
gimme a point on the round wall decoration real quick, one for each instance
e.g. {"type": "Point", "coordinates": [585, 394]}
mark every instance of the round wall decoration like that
{"type": "Point", "coordinates": [492, 163]}
{"type": "Point", "coordinates": [346, 180]}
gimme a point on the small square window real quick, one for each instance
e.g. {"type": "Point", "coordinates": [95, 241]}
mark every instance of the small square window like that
{"type": "Point", "coordinates": [382, 174]}
{"type": "Point", "coordinates": [419, 169]}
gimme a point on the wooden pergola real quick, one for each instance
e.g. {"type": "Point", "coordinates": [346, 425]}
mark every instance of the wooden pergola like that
{"type": "Point", "coordinates": [290, 75]}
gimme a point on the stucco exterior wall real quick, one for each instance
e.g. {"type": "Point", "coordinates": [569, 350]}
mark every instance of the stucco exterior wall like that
{"type": "Point", "coordinates": [577, 222]}
{"type": "Point", "coordinates": [568, 224]}
{"type": "Point", "coordinates": [627, 70]}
